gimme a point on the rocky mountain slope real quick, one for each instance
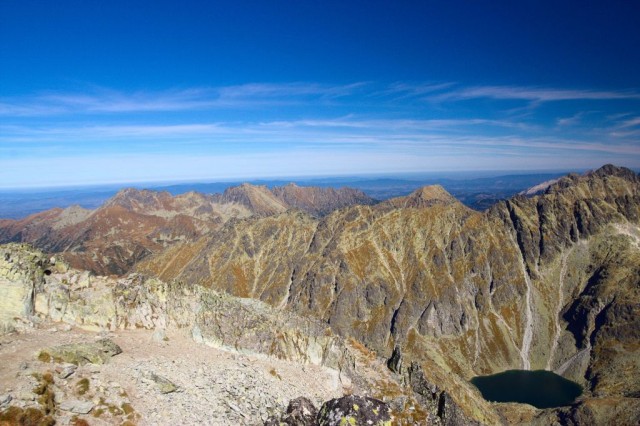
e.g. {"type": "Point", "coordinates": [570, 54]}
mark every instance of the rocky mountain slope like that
{"type": "Point", "coordinates": [252, 358]}
{"type": "Point", "coordinates": [136, 223]}
{"type": "Point", "coordinates": [548, 282]}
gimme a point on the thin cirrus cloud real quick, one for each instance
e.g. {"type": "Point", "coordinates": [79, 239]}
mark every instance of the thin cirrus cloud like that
{"type": "Point", "coordinates": [632, 122]}
{"type": "Point", "coordinates": [257, 95]}
{"type": "Point", "coordinates": [288, 128]}
{"type": "Point", "coordinates": [338, 135]}
{"type": "Point", "coordinates": [104, 101]}
{"type": "Point", "coordinates": [345, 130]}
{"type": "Point", "coordinates": [533, 94]}
{"type": "Point", "coordinates": [109, 101]}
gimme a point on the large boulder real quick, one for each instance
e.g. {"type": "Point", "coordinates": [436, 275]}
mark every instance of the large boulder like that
{"type": "Point", "coordinates": [98, 352]}
{"type": "Point", "coordinates": [355, 410]}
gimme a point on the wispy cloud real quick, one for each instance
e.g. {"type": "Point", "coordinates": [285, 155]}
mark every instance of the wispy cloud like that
{"type": "Point", "coordinates": [632, 122]}
{"type": "Point", "coordinates": [340, 133]}
{"type": "Point", "coordinates": [267, 95]}
{"type": "Point", "coordinates": [397, 127]}
{"type": "Point", "coordinates": [105, 101]}
{"type": "Point", "coordinates": [570, 121]}
{"type": "Point", "coordinates": [532, 94]}
{"type": "Point", "coordinates": [102, 100]}
{"type": "Point", "coordinates": [401, 90]}
{"type": "Point", "coordinates": [287, 91]}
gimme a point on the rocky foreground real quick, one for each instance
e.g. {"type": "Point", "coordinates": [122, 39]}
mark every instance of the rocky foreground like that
{"type": "Point", "coordinates": [81, 349]}
{"type": "Point", "coordinates": [154, 380]}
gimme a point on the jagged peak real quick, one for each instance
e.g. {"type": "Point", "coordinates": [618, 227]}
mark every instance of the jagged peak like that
{"type": "Point", "coordinates": [137, 194]}
{"type": "Point", "coordinates": [246, 188]}
{"type": "Point", "coordinates": [425, 196]}
{"type": "Point", "coordinates": [319, 189]}
{"type": "Point", "coordinates": [258, 198]}
{"type": "Point", "coordinates": [573, 179]}
{"type": "Point", "coordinates": [433, 192]}
{"type": "Point", "coordinates": [139, 200]}
{"type": "Point", "coordinates": [613, 170]}
{"type": "Point", "coordinates": [320, 201]}
{"type": "Point", "coordinates": [606, 171]}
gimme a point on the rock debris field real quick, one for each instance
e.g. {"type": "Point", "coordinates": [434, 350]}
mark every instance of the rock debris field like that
{"type": "Point", "coordinates": [156, 380]}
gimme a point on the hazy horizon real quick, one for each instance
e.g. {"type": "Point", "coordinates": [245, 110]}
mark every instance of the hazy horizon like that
{"type": "Point", "coordinates": [325, 179]}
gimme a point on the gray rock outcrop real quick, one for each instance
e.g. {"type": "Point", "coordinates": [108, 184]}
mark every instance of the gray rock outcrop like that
{"type": "Point", "coordinates": [98, 352]}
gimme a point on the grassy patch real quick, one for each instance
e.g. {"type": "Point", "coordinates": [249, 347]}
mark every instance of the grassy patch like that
{"type": "Point", "coordinates": [77, 421]}
{"type": "Point", "coordinates": [114, 410]}
{"type": "Point", "coordinates": [30, 416]}
{"type": "Point", "coordinates": [82, 386]}
{"type": "Point", "coordinates": [46, 396]}
{"type": "Point", "coordinates": [47, 377]}
{"type": "Point", "coordinates": [44, 356]}
{"type": "Point", "coordinates": [275, 374]}
{"type": "Point", "coordinates": [127, 408]}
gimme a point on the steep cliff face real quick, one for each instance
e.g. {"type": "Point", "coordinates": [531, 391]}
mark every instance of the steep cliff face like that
{"type": "Point", "coordinates": [21, 272]}
{"type": "Point", "coordinates": [572, 209]}
{"type": "Point", "coordinates": [544, 282]}
{"type": "Point", "coordinates": [377, 273]}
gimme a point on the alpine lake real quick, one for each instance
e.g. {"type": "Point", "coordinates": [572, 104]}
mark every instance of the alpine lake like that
{"type": "Point", "coordinates": [540, 388]}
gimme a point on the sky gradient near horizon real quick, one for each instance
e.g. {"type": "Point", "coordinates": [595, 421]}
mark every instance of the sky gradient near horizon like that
{"type": "Point", "coordinates": [100, 92]}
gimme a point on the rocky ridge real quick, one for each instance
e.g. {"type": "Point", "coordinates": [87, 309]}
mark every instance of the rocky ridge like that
{"type": "Point", "coordinates": [318, 201]}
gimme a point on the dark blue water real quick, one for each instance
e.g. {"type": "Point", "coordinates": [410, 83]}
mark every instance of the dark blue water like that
{"type": "Point", "coordinates": [540, 388]}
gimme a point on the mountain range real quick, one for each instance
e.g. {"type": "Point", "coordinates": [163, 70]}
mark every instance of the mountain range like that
{"type": "Point", "coordinates": [546, 281]}
{"type": "Point", "coordinates": [476, 190]}
{"type": "Point", "coordinates": [134, 223]}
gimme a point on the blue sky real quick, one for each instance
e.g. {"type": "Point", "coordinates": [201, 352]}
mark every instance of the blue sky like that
{"type": "Point", "coordinates": [130, 91]}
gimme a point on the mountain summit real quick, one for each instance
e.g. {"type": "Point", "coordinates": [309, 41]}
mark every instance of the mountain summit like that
{"type": "Point", "coordinates": [426, 196]}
